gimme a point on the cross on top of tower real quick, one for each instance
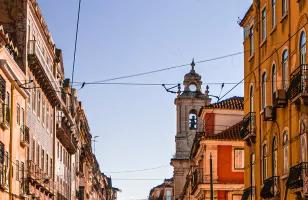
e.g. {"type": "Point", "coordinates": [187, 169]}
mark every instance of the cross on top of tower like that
{"type": "Point", "coordinates": [193, 65]}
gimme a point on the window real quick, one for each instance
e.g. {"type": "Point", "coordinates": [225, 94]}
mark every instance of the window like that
{"type": "Point", "coordinates": [33, 150]}
{"type": "Point", "coordinates": [303, 48]}
{"type": "Point", "coordinates": [263, 24]}
{"type": "Point", "coordinates": [264, 163]}
{"type": "Point", "coordinates": [284, 7]}
{"type": "Point", "coordinates": [273, 13]}
{"type": "Point", "coordinates": [285, 153]}
{"type": "Point", "coordinates": [168, 194]}
{"type": "Point", "coordinates": [42, 159]}
{"type": "Point", "coordinates": [1, 153]}
{"type": "Point", "coordinates": [274, 157]}
{"type": "Point", "coordinates": [18, 114]}
{"type": "Point", "coordinates": [38, 155]}
{"type": "Point", "coordinates": [22, 116]}
{"type": "Point", "coordinates": [2, 88]}
{"type": "Point", "coordinates": [38, 104]}
{"type": "Point", "coordinates": [58, 149]}
{"type": "Point", "coordinates": [285, 70]}
{"type": "Point", "coordinates": [251, 41]}
{"type": "Point", "coordinates": [46, 164]}
{"type": "Point", "coordinates": [34, 98]}
{"type": "Point", "coordinates": [251, 99]}
{"type": "Point", "coordinates": [304, 147]}
{"type": "Point", "coordinates": [47, 117]}
{"type": "Point", "coordinates": [22, 170]}
{"type": "Point", "coordinates": [17, 170]}
{"type": "Point", "coordinates": [43, 111]}
{"type": "Point", "coordinates": [51, 167]}
{"type": "Point", "coordinates": [238, 159]}
{"type": "Point", "coordinates": [263, 90]}
{"type": "Point", "coordinates": [274, 79]}
{"type": "Point", "coordinates": [252, 171]}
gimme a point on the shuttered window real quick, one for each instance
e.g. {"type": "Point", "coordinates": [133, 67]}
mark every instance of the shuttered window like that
{"type": "Point", "coordinates": [2, 88]}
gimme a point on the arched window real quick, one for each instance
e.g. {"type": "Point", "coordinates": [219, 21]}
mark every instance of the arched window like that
{"type": "Point", "coordinates": [303, 144]}
{"type": "Point", "coordinates": [264, 162]}
{"type": "Point", "coordinates": [274, 157]}
{"type": "Point", "coordinates": [273, 13]}
{"type": "Point", "coordinates": [274, 79]}
{"type": "Point", "coordinates": [284, 7]}
{"type": "Point", "coordinates": [285, 69]}
{"type": "Point", "coordinates": [252, 171]}
{"type": "Point", "coordinates": [251, 99]}
{"type": "Point", "coordinates": [192, 120]}
{"type": "Point", "coordinates": [302, 47]}
{"type": "Point", "coordinates": [263, 90]}
{"type": "Point", "coordinates": [285, 153]}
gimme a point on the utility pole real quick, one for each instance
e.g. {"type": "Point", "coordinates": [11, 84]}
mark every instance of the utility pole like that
{"type": "Point", "coordinates": [211, 177]}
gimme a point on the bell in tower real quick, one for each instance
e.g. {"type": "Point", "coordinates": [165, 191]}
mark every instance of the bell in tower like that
{"type": "Point", "coordinates": [188, 104]}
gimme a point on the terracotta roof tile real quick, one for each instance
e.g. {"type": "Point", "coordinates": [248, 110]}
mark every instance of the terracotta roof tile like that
{"type": "Point", "coordinates": [232, 133]}
{"type": "Point", "coordinates": [233, 103]}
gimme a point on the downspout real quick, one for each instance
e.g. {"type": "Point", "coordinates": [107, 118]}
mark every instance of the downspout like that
{"type": "Point", "coordinates": [11, 142]}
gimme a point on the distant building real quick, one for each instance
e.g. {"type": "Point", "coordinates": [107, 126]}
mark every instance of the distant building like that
{"type": "Point", "coordinates": [163, 191]}
{"type": "Point", "coordinates": [224, 145]}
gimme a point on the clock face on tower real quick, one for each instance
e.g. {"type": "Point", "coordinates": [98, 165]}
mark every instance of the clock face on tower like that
{"type": "Point", "coordinates": [192, 87]}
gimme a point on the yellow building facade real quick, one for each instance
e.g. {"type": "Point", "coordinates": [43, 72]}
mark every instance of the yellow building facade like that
{"type": "Point", "coordinates": [276, 106]}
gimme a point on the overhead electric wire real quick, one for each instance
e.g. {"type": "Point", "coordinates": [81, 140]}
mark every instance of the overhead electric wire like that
{"type": "Point", "coordinates": [76, 40]}
{"type": "Point", "coordinates": [138, 170]}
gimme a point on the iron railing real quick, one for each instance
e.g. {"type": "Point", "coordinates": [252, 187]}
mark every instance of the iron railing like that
{"type": "Point", "coordinates": [298, 82]}
{"type": "Point", "coordinates": [248, 129]}
{"type": "Point", "coordinates": [3, 176]}
{"type": "Point", "coordinates": [296, 175]}
{"type": "Point", "coordinates": [270, 188]}
{"type": "Point", "coordinates": [4, 114]}
{"type": "Point", "coordinates": [249, 193]}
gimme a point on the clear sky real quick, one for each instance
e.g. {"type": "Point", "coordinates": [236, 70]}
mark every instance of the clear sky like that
{"type": "Point", "coordinates": [136, 124]}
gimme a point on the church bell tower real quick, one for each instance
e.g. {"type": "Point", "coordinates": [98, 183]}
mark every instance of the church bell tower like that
{"type": "Point", "coordinates": [188, 104]}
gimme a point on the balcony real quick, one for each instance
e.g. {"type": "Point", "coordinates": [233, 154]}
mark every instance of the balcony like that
{"type": "Point", "coordinates": [42, 72]}
{"type": "Point", "coordinates": [39, 179]}
{"type": "Point", "coordinates": [249, 193]}
{"type": "Point", "coordinates": [4, 181]}
{"type": "Point", "coordinates": [4, 116]}
{"type": "Point", "coordinates": [298, 178]}
{"type": "Point", "coordinates": [248, 130]}
{"type": "Point", "coordinates": [271, 188]}
{"type": "Point", "coordinates": [298, 90]}
{"type": "Point", "coordinates": [24, 136]}
{"type": "Point", "coordinates": [65, 135]}
{"type": "Point", "coordinates": [24, 189]}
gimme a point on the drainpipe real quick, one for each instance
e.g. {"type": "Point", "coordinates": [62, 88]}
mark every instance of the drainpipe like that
{"type": "Point", "coordinates": [11, 142]}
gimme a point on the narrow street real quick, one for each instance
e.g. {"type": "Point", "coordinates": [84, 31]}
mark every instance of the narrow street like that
{"type": "Point", "coordinates": [153, 100]}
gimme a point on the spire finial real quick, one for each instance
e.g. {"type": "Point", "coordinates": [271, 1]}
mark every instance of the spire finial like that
{"type": "Point", "coordinates": [193, 64]}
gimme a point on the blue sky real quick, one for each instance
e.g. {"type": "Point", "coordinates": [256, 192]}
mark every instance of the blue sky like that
{"type": "Point", "coordinates": [136, 124]}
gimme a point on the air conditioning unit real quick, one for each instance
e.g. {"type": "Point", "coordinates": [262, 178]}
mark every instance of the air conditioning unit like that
{"type": "Point", "coordinates": [280, 99]}
{"type": "Point", "coordinates": [269, 113]}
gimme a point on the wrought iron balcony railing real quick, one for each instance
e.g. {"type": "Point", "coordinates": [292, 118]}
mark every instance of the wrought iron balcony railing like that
{"type": "Point", "coordinates": [249, 193]}
{"type": "Point", "coordinates": [298, 82]}
{"type": "Point", "coordinates": [24, 136]}
{"type": "Point", "coordinates": [270, 188]}
{"type": "Point", "coordinates": [4, 116]}
{"type": "Point", "coordinates": [297, 175]}
{"type": "Point", "coordinates": [248, 131]}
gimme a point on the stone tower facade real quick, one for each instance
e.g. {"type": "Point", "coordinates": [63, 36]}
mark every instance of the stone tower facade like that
{"type": "Point", "coordinates": [188, 104]}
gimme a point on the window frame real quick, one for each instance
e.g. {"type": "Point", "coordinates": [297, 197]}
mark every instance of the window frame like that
{"type": "Point", "coordinates": [263, 90]}
{"type": "Point", "coordinates": [285, 69]}
{"type": "Point", "coordinates": [303, 48]}
{"type": "Point", "coordinates": [263, 24]}
{"type": "Point", "coordinates": [274, 156]}
{"type": "Point", "coordinates": [284, 7]}
{"type": "Point", "coordinates": [274, 10]}
{"type": "Point", "coordinates": [285, 152]}
{"type": "Point", "coordinates": [264, 162]}
{"type": "Point", "coordinates": [235, 157]}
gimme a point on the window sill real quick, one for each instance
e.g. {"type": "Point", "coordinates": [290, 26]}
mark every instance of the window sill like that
{"type": "Point", "coordinates": [284, 17]}
{"type": "Point", "coordinates": [263, 42]}
{"type": "Point", "coordinates": [273, 29]}
{"type": "Point", "coordinates": [251, 57]}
